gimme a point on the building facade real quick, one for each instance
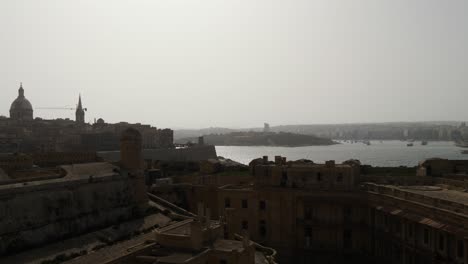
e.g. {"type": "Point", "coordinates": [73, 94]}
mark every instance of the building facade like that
{"type": "Point", "coordinates": [331, 213]}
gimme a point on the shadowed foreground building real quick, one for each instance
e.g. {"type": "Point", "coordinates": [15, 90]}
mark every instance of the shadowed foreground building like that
{"type": "Point", "coordinates": [100, 212]}
{"type": "Point", "coordinates": [331, 213]}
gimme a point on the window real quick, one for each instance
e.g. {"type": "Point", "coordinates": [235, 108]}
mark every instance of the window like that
{"type": "Point", "coordinates": [307, 236]}
{"type": "Point", "coordinates": [339, 178]}
{"type": "Point", "coordinates": [398, 226]}
{"type": "Point", "coordinates": [262, 228]}
{"type": "Point", "coordinates": [284, 179]}
{"type": "Point", "coordinates": [441, 242]}
{"type": "Point", "coordinates": [227, 202]}
{"type": "Point", "coordinates": [426, 236]}
{"type": "Point", "coordinates": [308, 232]}
{"type": "Point", "coordinates": [262, 205]}
{"type": "Point", "coordinates": [308, 213]}
{"type": "Point", "coordinates": [460, 249]}
{"type": "Point", "coordinates": [347, 239]}
{"type": "Point", "coordinates": [245, 225]}
{"type": "Point", "coordinates": [245, 204]}
{"type": "Point", "coordinates": [347, 213]}
{"type": "Point", "coordinates": [319, 176]}
{"type": "Point", "coordinates": [410, 230]}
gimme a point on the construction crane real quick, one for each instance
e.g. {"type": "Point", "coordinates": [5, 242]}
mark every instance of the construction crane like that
{"type": "Point", "coordinates": [60, 108]}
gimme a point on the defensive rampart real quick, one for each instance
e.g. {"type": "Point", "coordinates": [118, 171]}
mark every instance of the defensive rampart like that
{"type": "Point", "coordinates": [34, 213]}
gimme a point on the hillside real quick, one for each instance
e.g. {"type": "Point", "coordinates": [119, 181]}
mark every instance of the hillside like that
{"type": "Point", "coordinates": [436, 130]}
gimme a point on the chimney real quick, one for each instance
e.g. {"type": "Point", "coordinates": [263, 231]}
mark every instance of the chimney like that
{"type": "Point", "coordinates": [278, 160]}
{"type": "Point", "coordinates": [330, 163]}
{"type": "Point", "coordinates": [201, 141]}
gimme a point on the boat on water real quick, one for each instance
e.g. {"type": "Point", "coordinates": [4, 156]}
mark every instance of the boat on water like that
{"type": "Point", "coordinates": [409, 144]}
{"type": "Point", "coordinates": [367, 142]}
{"type": "Point", "coordinates": [424, 143]}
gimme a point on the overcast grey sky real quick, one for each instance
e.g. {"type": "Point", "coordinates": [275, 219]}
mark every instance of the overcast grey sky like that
{"type": "Point", "coordinates": [238, 63]}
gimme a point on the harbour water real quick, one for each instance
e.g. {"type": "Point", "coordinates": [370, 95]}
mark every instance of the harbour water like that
{"type": "Point", "coordinates": [378, 153]}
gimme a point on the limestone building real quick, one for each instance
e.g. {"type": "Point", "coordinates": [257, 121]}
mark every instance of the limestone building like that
{"type": "Point", "coordinates": [335, 213]}
{"type": "Point", "coordinates": [99, 212]}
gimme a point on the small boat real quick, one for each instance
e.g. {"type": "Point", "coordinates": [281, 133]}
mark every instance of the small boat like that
{"type": "Point", "coordinates": [409, 144]}
{"type": "Point", "coordinates": [367, 142]}
{"type": "Point", "coordinates": [464, 151]}
{"type": "Point", "coordinates": [424, 143]}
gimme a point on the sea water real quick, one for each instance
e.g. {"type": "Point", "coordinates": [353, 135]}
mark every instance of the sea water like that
{"type": "Point", "coordinates": [378, 153]}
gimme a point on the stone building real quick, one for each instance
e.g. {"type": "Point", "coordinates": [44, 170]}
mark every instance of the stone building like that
{"type": "Point", "coordinates": [78, 198]}
{"type": "Point", "coordinates": [331, 213]}
{"type": "Point", "coordinates": [98, 212]}
{"type": "Point", "coordinates": [306, 211]}
{"type": "Point", "coordinates": [443, 168]}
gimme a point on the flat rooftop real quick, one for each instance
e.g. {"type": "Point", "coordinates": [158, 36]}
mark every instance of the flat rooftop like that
{"type": "Point", "coordinates": [437, 192]}
{"type": "Point", "coordinates": [437, 196]}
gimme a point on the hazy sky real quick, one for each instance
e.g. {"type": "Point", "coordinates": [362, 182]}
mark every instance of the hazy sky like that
{"type": "Point", "coordinates": [238, 63]}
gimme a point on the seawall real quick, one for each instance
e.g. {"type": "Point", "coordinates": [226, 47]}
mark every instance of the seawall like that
{"type": "Point", "coordinates": [196, 153]}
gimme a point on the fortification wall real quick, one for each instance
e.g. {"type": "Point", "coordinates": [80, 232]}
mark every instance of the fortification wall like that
{"type": "Point", "coordinates": [196, 153]}
{"type": "Point", "coordinates": [35, 213]}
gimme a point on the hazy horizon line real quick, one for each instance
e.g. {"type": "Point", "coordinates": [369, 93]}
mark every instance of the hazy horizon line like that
{"type": "Point", "coordinates": [327, 124]}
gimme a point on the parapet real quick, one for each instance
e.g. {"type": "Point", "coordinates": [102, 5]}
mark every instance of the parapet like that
{"type": "Point", "coordinates": [305, 174]}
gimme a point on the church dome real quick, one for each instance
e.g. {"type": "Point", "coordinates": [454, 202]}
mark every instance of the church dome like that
{"type": "Point", "coordinates": [21, 108]}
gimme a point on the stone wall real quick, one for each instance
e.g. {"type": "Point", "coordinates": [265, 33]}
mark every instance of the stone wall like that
{"type": "Point", "coordinates": [185, 154]}
{"type": "Point", "coordinates": [35, 213]}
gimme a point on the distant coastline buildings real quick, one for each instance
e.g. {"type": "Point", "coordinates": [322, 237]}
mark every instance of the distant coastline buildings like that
{"type": "Point", "coordinates": [22, 132]}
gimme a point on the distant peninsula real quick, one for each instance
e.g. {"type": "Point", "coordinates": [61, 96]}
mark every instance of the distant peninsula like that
{"type": "Point", "coordinates": [280, 139]}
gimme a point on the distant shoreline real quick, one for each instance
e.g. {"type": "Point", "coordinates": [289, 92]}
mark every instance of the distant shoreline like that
{"type": "Point", "coordinates": [280, 146]}
{"type": "Point", "coordinates": [271, 139]}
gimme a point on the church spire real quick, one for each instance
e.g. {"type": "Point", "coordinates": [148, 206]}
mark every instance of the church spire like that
{"type": "Point", "coordinates": [80, 106]}
{"type": "Point", "coordinates": [80, 113]}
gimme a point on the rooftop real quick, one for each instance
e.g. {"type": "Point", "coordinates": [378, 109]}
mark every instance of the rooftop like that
{"type": "Point", "coordinates": [436, 196]}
